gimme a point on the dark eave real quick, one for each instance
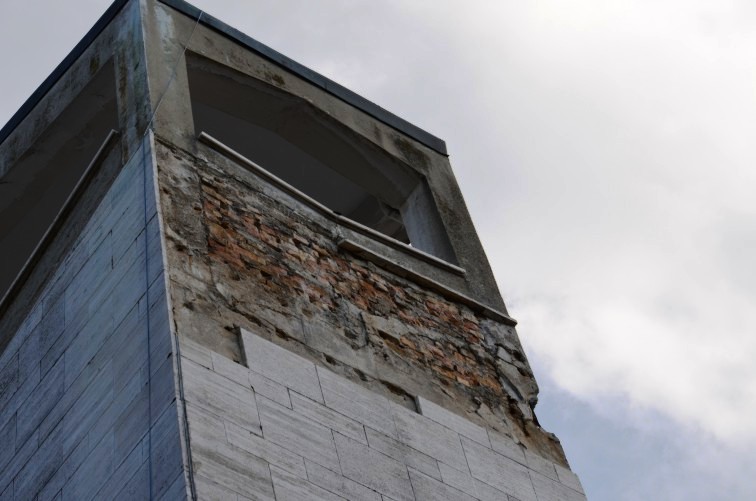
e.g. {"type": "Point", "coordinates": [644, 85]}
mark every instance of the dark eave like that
{"type": "Point", "coordinates": [276, 57]}
{"type": "Point", "coordinates": [61, 69]}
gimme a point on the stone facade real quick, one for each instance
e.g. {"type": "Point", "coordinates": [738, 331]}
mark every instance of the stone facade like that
{"type": "Point", "coordinates": [191, 326]}
{"type": "Point", "coordinates": [285, 428]}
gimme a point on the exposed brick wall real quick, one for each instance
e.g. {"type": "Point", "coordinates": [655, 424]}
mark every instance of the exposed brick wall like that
{"type": "Point", "coordinates": [242, 254]}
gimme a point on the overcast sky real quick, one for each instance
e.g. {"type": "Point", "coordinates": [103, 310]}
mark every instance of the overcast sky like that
{"type": "Point", "coordinates": [607, 152]}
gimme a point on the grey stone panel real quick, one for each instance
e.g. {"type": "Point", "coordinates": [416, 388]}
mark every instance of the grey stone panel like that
{"type": "Point", "coordinates": [85, 413]}
{"type": "Point", "coordinates": [84, 346]}
{"type": "Point", "coordinates": [130, 343]}
{"type": "Point", "coordinates": [338, 484]}
{"type": "Point", "coordinates": [176, 491]}
{"type": "Point", "coordinates": [65, 438]}
{"type": "Point", "coordinates": [7, 441]}
{"type": "Point", "coordinates": [230, 369]}
{"type": "Point", "coordinates": [129, 426]}
{"type": "Point", "coordinates": [506, 446]}
{"type": "Point", "coordinates": [498, 471]}
{"type": "Point", "coordinates": [403, 453]}
{"type": "Point", "coordinates": [430, 489]}
{"type": "Point", "coordinates": [23, 391]}
{"type": "Point", "coordinates": [366, 469]}
{"type": "Point", "coordinates": [541, 465]}
{"type": "Point", "coordinates": [54, 486]}
{"type": "Point", "coordinates": [165, 452]}
{"type": "Point", "coordinates": [39, 403]}
{"type": "Point", "coordinates": [21, 457]}
{"type": "Point", "coordinates": [7, 493]}
{"type": "Point", "coordinates": [328, 418]}
{"type": "Point", "coordinates": [488, 493]}
{"type": "Point", "coordinates": [207, 490]}
{"type": "Point", "coordinates": [281, 366]}
{"type": "Point", "coordinates": [125, 470]}
{"type": "Point", "coordinates": [265, 449]}
{"type": "Point", "coordinates": [458, 479]}
{"type": "Point", "coordinates": [469, 485]}
{"type": "Point", "coordinates": [220, 396]}
{"type": "Point", "coordinates": [429, 437]}
{"type": "Point", "coordinates": [373, 469]}
{"type": "Point", "coordinates": [196, 353]}
{"type": "Point", "coordinates": [569, 479]}
{"type": "Point", "coordinates": [138, 486]}
{"type": "Point", "coordinates": [453, 421]}
{"type": "Point", "coordinates": [96, 371]}
{"type": "Point", "coordinates": [162, 389]}
{"type": "Point", "coordinates": [8, 380]}
{"type": "Point", "coordinates": [213, 457]}
{"type": "Point", "coordinates": [262, 385]}
{"type": "Point", "coordinates": [270, 389]}
{"type": "Point", "coordinates": [92, 473]}
{"type": "Point", "coordinates": [296, 432]}
{"type": "Point", "coordinates": [38, 470]}
{"type": "Point", "coordinates": [81, 289]}
{"type": "Point", "coordinates": [291, 488]}
{"type": "Point", "coordinates": [77, 366]}
{"type": "Point", "coordinates": [359, 403]}
{"type": "Point", "coordinates": [549, 490]}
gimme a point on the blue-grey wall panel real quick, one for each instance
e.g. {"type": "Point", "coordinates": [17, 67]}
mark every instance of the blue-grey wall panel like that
{"type": "Point", "coordinates": [87, 397]}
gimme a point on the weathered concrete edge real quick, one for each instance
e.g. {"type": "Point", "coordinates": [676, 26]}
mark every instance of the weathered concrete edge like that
{"type": "Point", "coordinates": [178, 378]}
{"type": "Point", "coordinates": [396, 268]}
{"type": "Point", "coordinates": [61, 69]}
{"type": "Point", "coordinates": [227, 151]}
{"type": "Point", "coordinates": [333, 88]}
{"type": "Point", "coordinates": [57, 223]}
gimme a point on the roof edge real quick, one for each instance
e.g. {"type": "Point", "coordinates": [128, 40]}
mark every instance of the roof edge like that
{"type": "Point", "coordinates": [314, 78]}
{"type": "Point", "coordinates": [61, 69]}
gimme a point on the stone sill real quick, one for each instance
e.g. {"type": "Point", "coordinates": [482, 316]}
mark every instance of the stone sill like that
{"type": "Point", "coordinates": [223, 149]}
{"type": "Point", "coordinates": [420, 279]}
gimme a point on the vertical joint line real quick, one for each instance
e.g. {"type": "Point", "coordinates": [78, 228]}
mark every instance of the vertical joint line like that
{"type": "Point", "coordinates": [147, 301]}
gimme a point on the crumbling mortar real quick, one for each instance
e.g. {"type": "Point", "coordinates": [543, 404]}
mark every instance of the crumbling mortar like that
{"type": "Point", "coordinates": [466, 361]}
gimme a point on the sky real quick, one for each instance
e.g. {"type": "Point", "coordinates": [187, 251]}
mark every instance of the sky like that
{"type": "Point", "coordinates": [606, 152]}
